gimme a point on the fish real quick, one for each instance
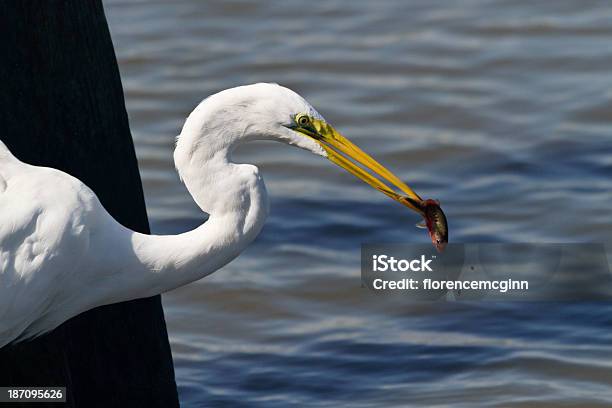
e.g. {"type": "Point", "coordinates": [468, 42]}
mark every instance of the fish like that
{"type": "Point", "coordinates": [435, 222]}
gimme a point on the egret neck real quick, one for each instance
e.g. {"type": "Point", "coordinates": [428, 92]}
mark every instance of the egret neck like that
{"type": "Point", "coordinates": [234, 197]}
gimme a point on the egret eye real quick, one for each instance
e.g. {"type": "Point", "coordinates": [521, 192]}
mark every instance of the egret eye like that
{"type": "Point", "coordinates": [302, 120]}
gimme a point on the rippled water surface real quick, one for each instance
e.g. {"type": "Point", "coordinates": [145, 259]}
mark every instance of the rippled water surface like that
{"type": "Point", "coordinates": [501, 109]}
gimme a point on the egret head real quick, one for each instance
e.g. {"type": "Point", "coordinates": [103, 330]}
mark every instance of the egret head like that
{"type": "Point", "coordinates": [273, 112]}
{"type": "Point", "coordinates": [296, 122]}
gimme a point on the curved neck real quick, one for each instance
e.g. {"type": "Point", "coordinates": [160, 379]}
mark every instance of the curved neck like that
{"type": "Point", "coordinates": [235, 198]}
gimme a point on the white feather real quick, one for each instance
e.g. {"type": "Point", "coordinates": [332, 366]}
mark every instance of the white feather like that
{"type": "Point", "coordinates": [61, 253]}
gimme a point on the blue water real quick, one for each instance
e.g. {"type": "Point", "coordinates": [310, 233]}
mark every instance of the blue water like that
{"type": "Point", "coordinates": [500, 109]}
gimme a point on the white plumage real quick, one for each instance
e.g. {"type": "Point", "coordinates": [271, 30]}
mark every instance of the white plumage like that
{"type": "Point", "coordinates": [61, 253]}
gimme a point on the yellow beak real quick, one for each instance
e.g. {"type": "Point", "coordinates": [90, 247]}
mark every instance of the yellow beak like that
{"type": "Point", "coordinates": [347, 155]}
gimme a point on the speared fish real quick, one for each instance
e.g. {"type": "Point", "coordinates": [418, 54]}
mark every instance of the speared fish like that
{"type": "Point", "coordinates": [434, 220]}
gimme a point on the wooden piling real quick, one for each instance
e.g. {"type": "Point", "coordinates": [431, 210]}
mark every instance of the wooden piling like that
{"type": "Point", "coordinates": [62, 106]}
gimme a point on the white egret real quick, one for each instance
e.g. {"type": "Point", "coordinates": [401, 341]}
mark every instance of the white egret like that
{"type": "Point", "coordinates": [61, 253]}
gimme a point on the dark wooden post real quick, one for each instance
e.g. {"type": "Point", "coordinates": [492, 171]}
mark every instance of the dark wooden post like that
{"type": "Point", "coordinates": [61, 105]}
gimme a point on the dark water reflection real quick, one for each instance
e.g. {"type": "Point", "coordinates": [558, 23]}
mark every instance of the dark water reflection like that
{"type": "Point", "coordinates": [501, 109]}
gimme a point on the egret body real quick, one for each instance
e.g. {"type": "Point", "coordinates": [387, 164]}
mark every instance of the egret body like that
{"type": "Point", "coordinates": [62, 253]}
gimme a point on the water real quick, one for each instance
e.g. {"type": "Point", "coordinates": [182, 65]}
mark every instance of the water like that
{"type": "Point", "coordinates": [501, 109]}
